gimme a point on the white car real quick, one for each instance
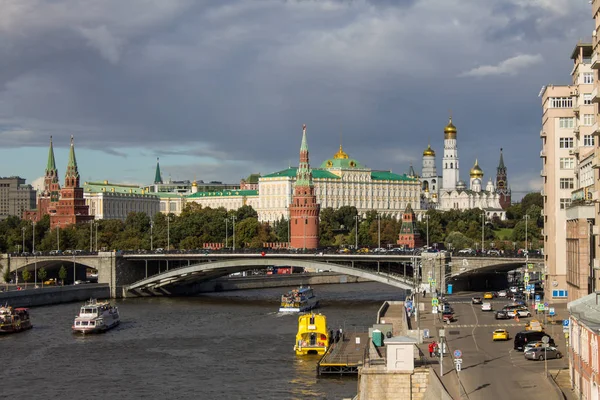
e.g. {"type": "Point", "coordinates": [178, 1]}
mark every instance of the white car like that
{"type": "Point", "coordinates": [521, 312]}
{"type": "Point", "coordinates": [513, 289]}
{"type": "Point", "coordinates": [486, 307]}
{"type": "Point", "coordinates": [502, 293]}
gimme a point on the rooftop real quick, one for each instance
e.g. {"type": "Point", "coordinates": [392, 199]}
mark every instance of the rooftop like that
{"type": "Point", "coordinates": [587, 310]}
{"type": "Point", "coordinates": [224, 193]}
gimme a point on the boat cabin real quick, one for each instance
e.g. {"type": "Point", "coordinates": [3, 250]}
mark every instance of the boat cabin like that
{"type": "Point", "coordinates": [312, 336]}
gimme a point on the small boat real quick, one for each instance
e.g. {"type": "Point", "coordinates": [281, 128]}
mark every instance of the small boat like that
{"type": "Point", "coordinates": [13, 320]}
{"type": "Point", "coordinates": [312, 336]}
{"type": "Point", "coordinates": [298, 300]}
{"type": "Point", "coordinates": [95, 316]}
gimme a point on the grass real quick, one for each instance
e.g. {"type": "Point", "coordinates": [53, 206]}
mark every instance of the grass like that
{"type": "Point", "coordinates": [503, 233]}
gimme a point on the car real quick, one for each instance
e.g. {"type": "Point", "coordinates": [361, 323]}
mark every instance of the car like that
{"type": "Point", "coordinates": [502, 293]}
{"type": "Point", "coordinates": [488, 295]}
{"type": "Point", "coordinates": [525, 337]}
{"type": "Point", "coordinates": [532, 345]}
{"type": "Point", "coordinates": [486, 307]}
{"type": "Point", "coordinates": [78, 282]}
{"type": "Point", "coordinates": [500, 334]}
{"type": "Point", "coordinates": [447, 316]}
{"type": "Point", "coordinates": [51, 281]}
{"type": "Point", "coordinates": [502, 315]}
{"type": "Point", "coordinates": [476, 300]}
{"type": "Point", "coordinates": [467, 252]}
{"type": "Point", "coordinates": [534, 325]}
{"type": "Point", "coordinates": [513, 289]}
{"type": "Point", "coordinates": [542, 353]}
{"type": "Point", "coordinates": [521, 312]}
{"type": "Point", "coordinates": [493, 252]}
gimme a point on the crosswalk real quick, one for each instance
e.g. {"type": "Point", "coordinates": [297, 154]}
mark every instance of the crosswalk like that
{"type": "Point", "coordinates": [484, 325]}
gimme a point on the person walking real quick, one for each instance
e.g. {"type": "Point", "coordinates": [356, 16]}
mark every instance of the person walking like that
{"type": "Point", "coordinates": [431, 348]}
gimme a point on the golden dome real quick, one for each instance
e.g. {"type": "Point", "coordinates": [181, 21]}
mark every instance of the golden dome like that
{"type": "Point", "coordinates": [340, 154]}
{"type": "Point", "coordinates": [428, 151]}
{"type": "Point", "coordinates": [194, 183]}
{"type": "Point", "coordinates": [450, 130]}
{"type": "Point", "coordinates": [476, 171]}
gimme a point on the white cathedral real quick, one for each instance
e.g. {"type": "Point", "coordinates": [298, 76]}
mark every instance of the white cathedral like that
{"type": "Point", "coordinates": [449, 192]}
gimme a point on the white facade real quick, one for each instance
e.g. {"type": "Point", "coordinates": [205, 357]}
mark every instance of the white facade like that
{"type": "Point", "coordinates": [450, 167]}
{"type": "Point", "coordinates": [110, 201]}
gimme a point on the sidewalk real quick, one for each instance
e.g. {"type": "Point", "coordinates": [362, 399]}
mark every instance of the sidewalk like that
{"type": "Point", "coordinates": [432, 323]}
{"type": "Point", "coordinates": [563, 381]}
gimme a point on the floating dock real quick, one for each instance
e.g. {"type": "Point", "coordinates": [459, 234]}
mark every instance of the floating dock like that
{"type": "Point", "coordinates": [345, 356]}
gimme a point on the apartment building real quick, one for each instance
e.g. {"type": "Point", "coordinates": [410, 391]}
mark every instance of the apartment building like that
{"type": "Point", "coordinates": [15, 197]}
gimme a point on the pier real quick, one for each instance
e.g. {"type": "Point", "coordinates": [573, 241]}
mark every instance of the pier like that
{"type": "Point", "coordinates": [345, 356]}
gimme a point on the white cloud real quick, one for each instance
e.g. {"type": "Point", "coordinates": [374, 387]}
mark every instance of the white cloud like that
{"type": "Point", "coordinates": [101, 39]}
{"type": "Point", "coordinates": [510, 66]}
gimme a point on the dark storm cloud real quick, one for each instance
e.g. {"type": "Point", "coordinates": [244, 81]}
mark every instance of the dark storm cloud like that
{"type": "Point", "coordinates": [232, 82]}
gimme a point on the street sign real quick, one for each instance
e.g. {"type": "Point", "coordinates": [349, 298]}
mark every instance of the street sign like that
{"type": "Point", "coordinates": [545, 339]}
{"type": "Point", "coordinates": [565, 322]}
{"type": "Point", "coordinates": [540, 307]}
{"type": "Point", "coordinates": [530, 266]}
{"type": "Point", "coordinates": [434, 302]}
{"type": "Point", "coordinates": [545, 304]}
{"type": "Point", "coordinates": [433, 281]}
{"type": "Point", "coordinates": [551, 311]}
{"type": "Point", "coordinates": [434, 310]}
{"type": "Point", "coordinates": [526, 278]}
{"type": "Point", "coordinates": [457, 364]}
{"type": "Point", "coordinates": [457, 354]}
{"type": "Point", "coordinates": [537, 297]}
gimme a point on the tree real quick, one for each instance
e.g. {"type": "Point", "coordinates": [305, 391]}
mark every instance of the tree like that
{"type": "Point", "coordinates": [62, 274]}
{"type": "Point", "coordinates": [456, 240]}
{"type": "Point", "coordinates": [531, 199]}
{"type": "Point", "coordinates": [42, 275]}
{"type": "Point", "coordinates": [26, 276]}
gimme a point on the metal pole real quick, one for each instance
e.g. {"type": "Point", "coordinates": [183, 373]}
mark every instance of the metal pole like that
{"type": "Point", "coordinates": [305, 222]}
{"type": "Point", "coordinates": [427, 219]}
{"type": "Point", "coordinates": [289, 228]}
{"type": "Point", "coordinates": [526, 219]}
{"type": "Point", "coordinates": [97, 223]}
{"type": "Point", "coordinates": [34, 258]}
{"type": "Point", "coordinates": [23, 229]}
{"type": "Point", "coordinates": [91, 235]}
{"type": "Point", "coordinates": [378, 232]}
{"type": "Point", "coordinates": [482, 233]}
{"type": "Point", "coordinates": [226, 231]}
{"type": "Point", "coordinates": [74, 270]}
{"type": "Point", "coordinates": [233, 218]}
{"type": "Point", "coordinates": [168, 232]}
{"type": "Point", "coordinates": [57, 239]}
{"type": "Point", "coordinates": [356, 238]}
{"type": "Point", "coordinates": [151, 235]}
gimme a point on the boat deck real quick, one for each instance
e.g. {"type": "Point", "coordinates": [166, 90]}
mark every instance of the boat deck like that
{"type": "Point", "coordinates": [345, 356]}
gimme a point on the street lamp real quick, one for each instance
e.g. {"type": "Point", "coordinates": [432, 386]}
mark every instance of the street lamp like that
{"type": "Point", "coordinates": [482, 233]}
{"type": "Point", "coordinates": [233, 218]}
{"type": "Point", "coordinates": [427, 220]}
{"type": "Point", "coordinates": [168, 232]}
{"type": "Point", "coordinates": [96, 247]}
{"type": "Point", "coordinates": [23, 230]}
{"type": "Point", "coordinates": [34, 257]}
{"type": "Point", "coordinates": [91, 235]}
{"type": "Point", "coordinates": [226, 231]}
{"type": "Point", "coordinates": [57, 238]}
{"type": "Point", "coordinates": [356, 217]}
{"type": "Point", "coordinates": [378, 231]}
{"type": "Point", "coordinates": [526, 217]}
{"type": "Point", "coordinates": [151, 235]}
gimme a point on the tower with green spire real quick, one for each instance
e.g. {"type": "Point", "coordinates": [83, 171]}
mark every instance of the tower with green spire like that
{"type": "Point", "coordinates": [51, 184]}
{"type": "Point", "coordinates": [304, 210]}
{"type": "Point", "coordinates": [409, 236]}
{"type": "Point", "coordinates": [71, 208]}
{"type": "Point", "coordinates": [502, 187]}
{"type": "Point", "coordinates": [157, 175]}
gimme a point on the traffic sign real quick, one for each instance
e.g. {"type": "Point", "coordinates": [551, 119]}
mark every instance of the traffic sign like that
{"type": "Point", "coordinates": [565, 322]}
{"type": "Point", "coordinates": [457, 354]}
{"type": "Point", "coordinates": [530, 266]}
{"type": "Point", "coordinates": [434, 302]}
{"type": "Point", "coordinates": [537, 297]}
{"type": "Point", "coordinates": [457, 364]}
{"type": "Point", "coordinates": [545, 304]}
{"type": "Point", "coordinates": [551, 311]}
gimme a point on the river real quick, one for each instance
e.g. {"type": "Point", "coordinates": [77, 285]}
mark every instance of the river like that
{"type": "Point", "coordinates": [230, 345]}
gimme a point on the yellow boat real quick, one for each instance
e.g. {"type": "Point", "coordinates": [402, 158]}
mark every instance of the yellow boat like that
{"type": "Point", "coordinates": [312, 336]}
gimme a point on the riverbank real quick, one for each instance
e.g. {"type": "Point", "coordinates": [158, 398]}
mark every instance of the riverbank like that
{"type": "Point", "coordinates": [54, 295]}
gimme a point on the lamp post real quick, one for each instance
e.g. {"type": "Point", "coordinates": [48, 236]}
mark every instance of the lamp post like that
{"type": "Point", "coordinates": [482, 233]}
{"type": "Point", "coordinates": [378, 232]}
{"type": "Point", "coordinates": [96, 247]}
{"type": "Point", "coordinates": [74, 270]}
{"type": "Point", "coordinates": [34, 258]}
{"type": "Point", "coordinates": [151, 235]}
{"type": "Point", "coordinates": [356, 217]}
{"type": "Point", "coordinates": [226, 231]}
{"type": "Point", "coordinates": [427, 221]}
{"type": "Point", "coordinates": [91, 236]}
{"type": "Point", "coordinates": [526, 217]}
{"type": "Point", "coordinates": [233, 218]}
{"type": "Point", "coordinates": [168, 232]}
{"type": "Point", "coordinates": [57, 238]}
{"type": "Point", "coordinates": [23, 230]}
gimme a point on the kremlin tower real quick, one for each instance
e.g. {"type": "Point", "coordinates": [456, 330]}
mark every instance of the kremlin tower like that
{"type": "Point", "coordinates": [304, 210]}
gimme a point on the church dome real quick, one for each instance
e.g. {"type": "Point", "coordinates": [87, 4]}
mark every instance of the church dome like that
{"type": "Point", "coordinates": [476, 171]}
{"type": "Point", "coordinates": [340, 154]}
{"type": "Point", "coordinates": [450, 130]}
{"type": "Point", "coordinates": [194, 183]}
{"type": "Point", "coordinates": [461, 185]}
{"type": "Point", "coordinates": [476, 181]}
{"type": "Point", "coordinates": [429, 151]}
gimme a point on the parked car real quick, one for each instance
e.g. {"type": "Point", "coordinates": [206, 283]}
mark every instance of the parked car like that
{"type": "Point", "coordinates": [493, 252]}
{"type": "Point", "coordinates": [542, 353]}
{"type": "Point", "coordinates": [447, 316]}
{"type": "Point", "coordinates": [467, 252]}
{"type": "Point", "coordinates": [51, 281]}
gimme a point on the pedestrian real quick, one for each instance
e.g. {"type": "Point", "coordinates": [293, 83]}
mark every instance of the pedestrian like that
{"type": "Point", "coordinates": [431, 348]}
{"type": "Point", "coordinates": [436, 349]}
{"type": "Point", "coordinates": [341, 334]}
{"type": "Point", "coordinates": [424, 293]}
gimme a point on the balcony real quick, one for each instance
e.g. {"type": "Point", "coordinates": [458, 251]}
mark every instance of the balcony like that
{"type": "Point", "coordinates": [595, 196]}
{"type": "Point", "coordinates": [596, 159]}
{"type": "Point", "coordinates": [542, 153]}
{"type": "Point", "coordinates": [596, 129]}
{"type": "Point", "coordinates": [543, 192]}
{"type": "Point", "coordinates": [595, 95]}
{"type": "Point", "coordinates": [595, 61]}
{"type": "Point", "coordinates": [543, 172]}
{"type": "Point", "coordinates": [576, 131]}
{"type": "Point", "coordinates": [574, 152]}
{"type": "Point", "coordinates": [542, 133]}
{"type": "Point", "coordinates": [575, 105]}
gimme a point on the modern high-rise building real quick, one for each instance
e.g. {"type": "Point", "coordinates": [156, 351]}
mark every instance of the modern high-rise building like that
{"type": "Point", "coordinates": [568, 118]}
{"type": "Point", "coordinates": [15, 197]}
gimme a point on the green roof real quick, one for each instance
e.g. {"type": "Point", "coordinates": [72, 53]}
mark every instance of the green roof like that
{"type": "Point", "coordinates": [291, 173]}
{"type": "Point", "coordinates": [224, 193]}
{"type": "Point", "coordinates": [345, 163]}
{"type": "Point", "coordinates": [252, 178]}
{"type": "Point", "coordinates": [390, 176]}
{"type": "Point", "coordinates": [51, 166]}
{"type": "Point", "coordinates": [106, 187]}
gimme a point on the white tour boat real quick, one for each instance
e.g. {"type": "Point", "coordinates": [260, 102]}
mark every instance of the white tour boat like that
{"type": "Point", "coordinates": [95, 316]}
{"type": "Point", "coordinates": [298, 300]}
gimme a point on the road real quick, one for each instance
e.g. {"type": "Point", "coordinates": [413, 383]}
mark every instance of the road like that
{"type": "Point", "coordinates": [493, 370]}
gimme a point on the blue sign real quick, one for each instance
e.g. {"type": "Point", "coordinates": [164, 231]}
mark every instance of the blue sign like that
{"type": "Point", "coordinates": [565, 322]}
{"type": "Point", "coordinates": [537, 297]}
{"type": "Point", "coordinates": [545, 304]}
{"type": "Point", "coordinates": [457, 353]}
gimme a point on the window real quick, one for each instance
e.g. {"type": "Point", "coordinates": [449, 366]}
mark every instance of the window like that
{"type": "Point", "coordinates": [561, 102]}
{"type": "Point", "coordinates": [566, 183]}
{"type": "Point", "coordinates": [559, 293]}
{"type": "Point", "coordinates": [566, 143]}
{"type": "Point", "coordinates": [566, 163]}
{"type": "Point", "coordinates": [588, 77]}
{"type": "Point", "coordinates": [588, 119]}
{"type": "Point", "coordinates": [588, 140]}
{"type": "Point", "coordinates": [564, 203]}
{"type": "Point", "coordinates": [587, 98]}
{"type": "Point", "coordinates": [566, 122]}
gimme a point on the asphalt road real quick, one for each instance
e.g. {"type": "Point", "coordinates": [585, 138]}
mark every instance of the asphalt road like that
{"type": "Point", "coordinates": [493, 370]}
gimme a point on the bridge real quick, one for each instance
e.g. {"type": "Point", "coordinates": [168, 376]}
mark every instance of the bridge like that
{"type": "Point", "coordinates": [180, 273]}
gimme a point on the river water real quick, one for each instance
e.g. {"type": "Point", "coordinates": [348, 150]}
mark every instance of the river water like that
{"type": "Point", "coordinates": [232, 345]}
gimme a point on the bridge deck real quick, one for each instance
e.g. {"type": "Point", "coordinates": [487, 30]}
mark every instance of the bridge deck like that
{"type": "Point", "coordinates": [345, 356]}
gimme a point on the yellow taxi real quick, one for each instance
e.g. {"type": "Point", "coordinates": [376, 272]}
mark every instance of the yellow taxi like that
{"type": "Point", "coordinates": [488, 295]}
{"type": "Point", "coordinates": [534, 325]}
{"type": "Point", "coordinates": [500, 334]}
{"type": "Point", "coordinates": [51, 281]}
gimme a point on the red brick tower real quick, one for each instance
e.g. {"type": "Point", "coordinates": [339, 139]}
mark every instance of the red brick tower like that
{"type": "Point", "coordinates": [49, 196]}
{"type": "Point", "coordinates": [71, 208]}
{"type": "Point", "coordinates": [409, 235]}
{"type": "Point", "coordinates": [304, 210]}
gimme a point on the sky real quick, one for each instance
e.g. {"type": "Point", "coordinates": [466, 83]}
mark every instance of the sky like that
{"type": "Point", "coordinates": [220, 89]}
